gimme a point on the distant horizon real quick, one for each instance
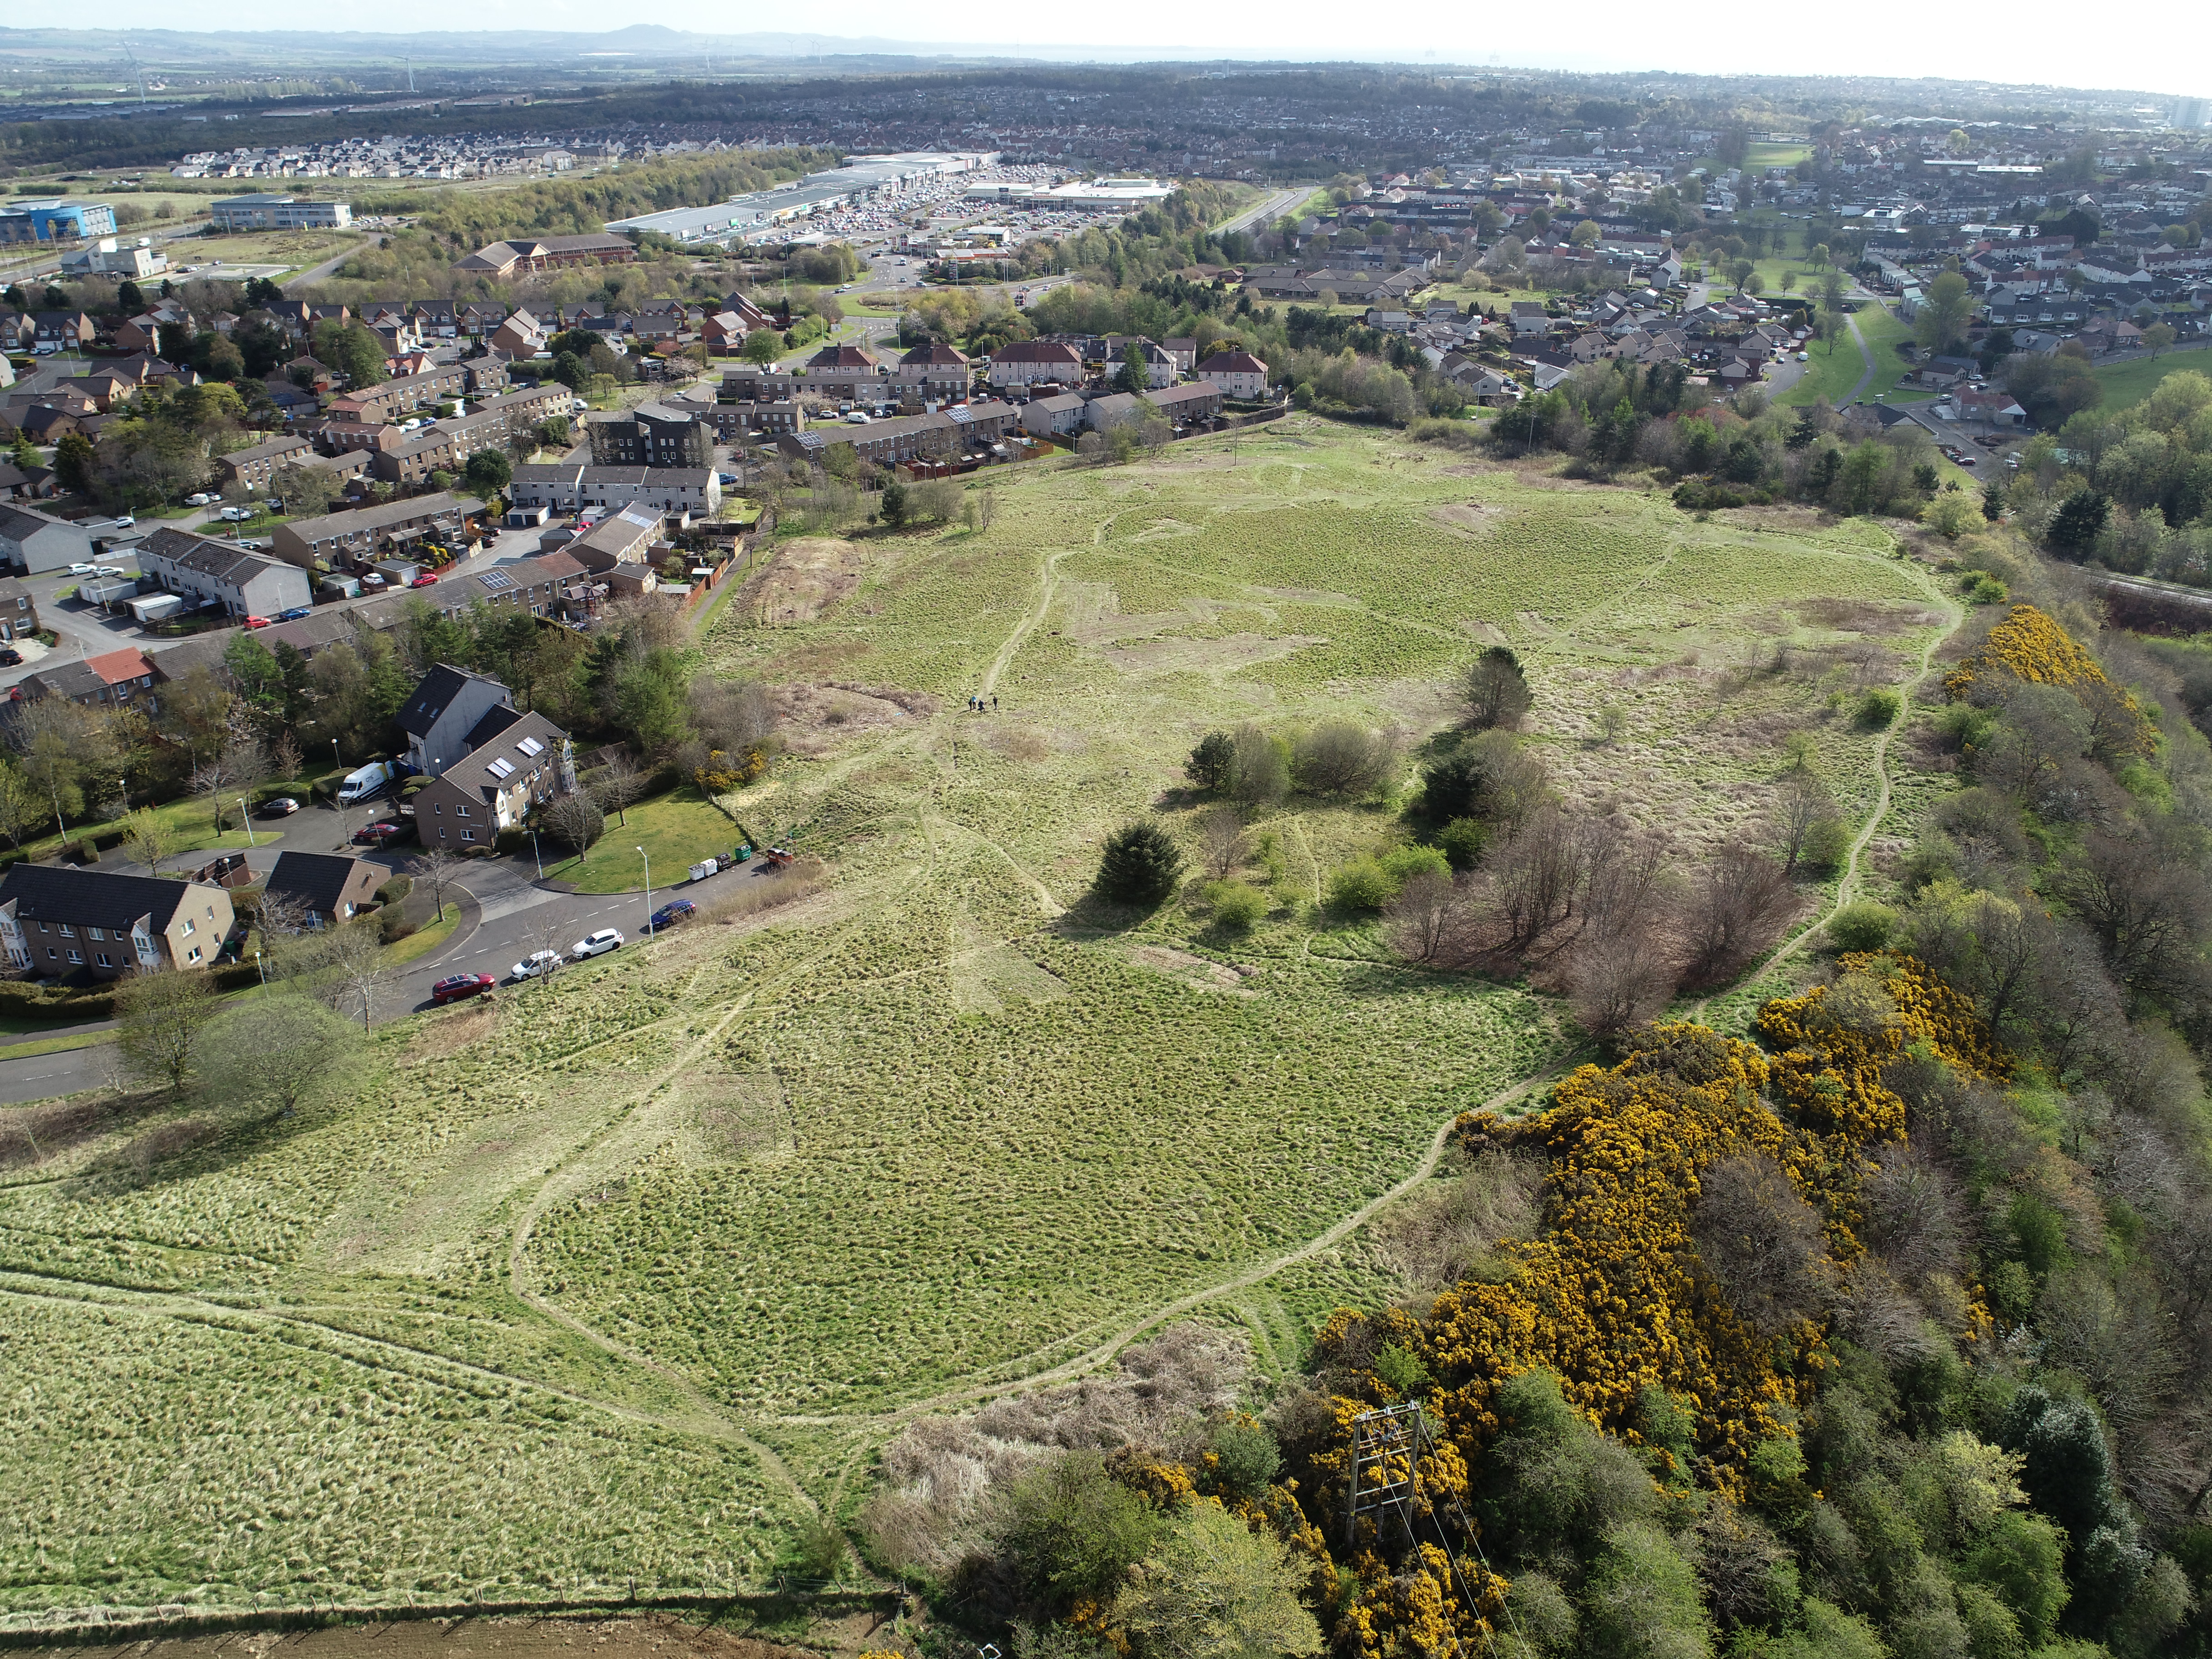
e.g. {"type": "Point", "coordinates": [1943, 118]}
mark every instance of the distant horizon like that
{"type": "Point", "coordinates": [1431, 36]}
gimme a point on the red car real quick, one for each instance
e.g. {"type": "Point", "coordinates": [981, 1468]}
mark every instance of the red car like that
{"type": "Point", "coordinates": [257, 621]}
{"type": "Point", "coordinates": [426, 580]}
{"type": "Point", "coordinates": [376, 835]}
{"type": "Point", "coordinates": [460, 986]}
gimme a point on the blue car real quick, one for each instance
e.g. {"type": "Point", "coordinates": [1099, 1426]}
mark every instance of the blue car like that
{"type": "Point", "coordinates": [674, 911]}
{"type": "Point", "coordinates": [293, 614]}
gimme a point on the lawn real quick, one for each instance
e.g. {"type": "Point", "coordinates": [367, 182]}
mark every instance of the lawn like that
{"type": "Point", "coordinates": [2129, 383]}
{"type": "Point", "coordinates": [1832, 373]}
{"type": "Point", "coordinates": [676, 830]}
{"type": "Point", "coordinates": [618, 1274]}
{"type": "Point", "coordinates": [189, 823]}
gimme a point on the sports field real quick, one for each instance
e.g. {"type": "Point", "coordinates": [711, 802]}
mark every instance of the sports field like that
{"type": "Point", "coordinates": [622, 1275]}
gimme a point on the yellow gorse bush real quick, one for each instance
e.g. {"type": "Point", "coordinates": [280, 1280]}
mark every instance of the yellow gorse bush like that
{"type": "Point", "coordinates": [2029, 645]}
{"type": "Point", "coordinates": [1611, 1296]}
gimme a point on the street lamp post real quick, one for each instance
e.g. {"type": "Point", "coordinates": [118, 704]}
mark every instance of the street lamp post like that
{"type": "Point", "coordinates": [648, 894]}
{"type": "Point", "coordinates": [337, 798]}
{"type": "Point", "coordinates": [536, 853]}
{"type": "Point", "coordinates": [246, 818]}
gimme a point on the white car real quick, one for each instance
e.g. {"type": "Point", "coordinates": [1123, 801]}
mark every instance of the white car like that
{"type": "Point", "coordinates": [82, 569]}
{"type": "Point", "coordinates": [107, 570]}
{"type": "Point", "coordinates": [235, 514]}
{"type": "Point", "coordinates": [606, 939]}
{"type": "Point", "coordinates": [201, 500]}
{"type": "Point", "coordinates": [536, 963]}
{"type": "Point", "coordinates": [124, 521]}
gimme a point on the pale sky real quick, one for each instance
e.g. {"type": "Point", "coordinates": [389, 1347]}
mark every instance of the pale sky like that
{"type": "Point", "coordinates": [2165, 46]}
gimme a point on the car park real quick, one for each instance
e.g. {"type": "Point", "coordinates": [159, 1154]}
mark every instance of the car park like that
{"type": "Point", "coordinates": [596, 944]}
{"type": "Point", "coordinates": [279, 806]}
{"type": "Point", "coordinates": [536, 963]}
{"type": "Point", "coordinates": [460, 986]}
{"type": "Point", "coordinates": [378, 835]}
{"type": "Point", "coordinates": [674, 911]}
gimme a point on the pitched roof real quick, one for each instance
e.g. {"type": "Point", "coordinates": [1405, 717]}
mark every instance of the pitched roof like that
{"type": "Point", "coordinates": [219, 560]}
{"type": "Point", "coordinates": [934, 352]}
{"type": "Point", "coordinates": [117, 668]}
{"type": "Point", "coordinates": [840, 356]}
{"type": "Point", "coordinates": [317, 880]}
{"type": "Point", "coordinates": [505, 745]}
{"type": "Point", "coordinates": [1232, 362]}
{"type": "Point", "coordinates": [92, 898]}
{"type": "Point", "coordinates": [431, 695]}
{"type": "Point", "coordinates": [1038, 351]}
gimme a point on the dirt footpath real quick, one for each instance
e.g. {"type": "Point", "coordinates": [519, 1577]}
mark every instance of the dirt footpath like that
{"type": "Point", "coordinates": [648, 1636]}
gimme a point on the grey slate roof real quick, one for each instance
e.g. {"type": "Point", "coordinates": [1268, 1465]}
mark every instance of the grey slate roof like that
{"type": "Point", "coordinates": [90, 898]}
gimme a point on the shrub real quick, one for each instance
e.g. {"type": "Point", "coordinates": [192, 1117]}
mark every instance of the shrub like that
{"type": "Point", "coordinates": [1462, 841]}
{"type": "Point", "coordinates": [1952, 514]}
{"type": "Point", "coordinates": [1986, 589]}
{"type": "Point", "coordinates": [392, 925]}
{"type": "Point", "coordinates": [1361, 884]}
{"type": "Point", "coordinates": [1236, 904]}
{"type": "Point", "coordinates": [1402, 864]}
{"type": "Point", "coordinates": [1879, 708]}
{"type": "Point", "coordinates": [1246, 1459]}
{"type": "Point", "coordinates": [394, 891]}
{"type": "Point", "coordinates": [1072, 1531]}
{"type": "Point", "coordinates": [1139, 866]}
{"type": "Point", "coordinates": [1827, 844]}
{"type": "Point", "coordinates": [1342, 757]}
{"type": "Point", "coordinates": [1863, 926]}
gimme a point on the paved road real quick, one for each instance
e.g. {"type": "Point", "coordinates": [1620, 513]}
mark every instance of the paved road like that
{"type": "Point", "coordinates": [1266, 212]}
{"type": "Point", "coordinates": [507, 916]}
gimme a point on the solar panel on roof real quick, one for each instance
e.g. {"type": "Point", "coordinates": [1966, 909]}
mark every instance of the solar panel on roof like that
{"type": "Point", "coordinates": [496, 579]}
{"type": "Point", "coordinates": [502, 768]}
{"type": "Point", "coordinates": [531, 746]}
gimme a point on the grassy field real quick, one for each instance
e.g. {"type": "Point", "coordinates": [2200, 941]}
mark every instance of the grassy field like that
{"type": "Point", "coordinates": [2129, 383]}
{"type": "Point", "coordinates": [676, 829]}
{"type": "Point", "coordinates": [625, 1273]}
{"type": "Point", "coordinates": [1831, 375]}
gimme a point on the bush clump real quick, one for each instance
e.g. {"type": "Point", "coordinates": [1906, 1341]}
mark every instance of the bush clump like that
{"type": "Point", "coordinates": [1236, 904]}
{"type": "Point", "coordinates": [1861, 925]}
{"type": "Point", "coordinates": [1879, 708]}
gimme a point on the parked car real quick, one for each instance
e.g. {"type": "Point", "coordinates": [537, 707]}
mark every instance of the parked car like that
{"type": "Point", "coordinates": [461, 985]}
{"type": "Point", "coordinates": [107, 570]}
{"type": "Point", "coordinates": [201, 500]}
{"type": "Point", "coordinates": [10, 657]}
{"type": "Point", "coordinates": [597, 945]}
{"type": "Point", "coordinates": [378, 835]}
{"type": "Point", "coordinates": [371, 582]}
{"type": "Point", "coordinates": [235, 514]}
{"type": "Point", "coordinates": [295, 614]}
{"type": "Point", "coordinates": [257, 621]}
{"type": "Point", "coordinates": [279, 806]}
{"type": "Point", "coordinates": [124, 521]}
{"type": "Point", "coordinates": [536, 963]}
{"type": "Point", "coordinates": [81, 570]}
{"type": "Point", "coordinates": [674, 911]}
{"type": "Point", "coordinates": [428, 579]}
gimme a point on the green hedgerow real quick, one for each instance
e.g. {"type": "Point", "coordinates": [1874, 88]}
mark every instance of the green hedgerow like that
{"type": "Point", "coordinates": [1139, 866]}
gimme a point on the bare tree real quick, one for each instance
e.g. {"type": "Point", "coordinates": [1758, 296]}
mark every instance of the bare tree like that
{"type": "Point", "coordinates": [1741, 901]}
{"type": "Point", "coordinates": [1761, 1242]}
{"type": "Point", "coordinates": [1223, 844]}
{"type": "Point", "coordinates": [616, 785]}
{"type": "Point", "coordinates": [280, 917]}
{"type": "Point", "coordinates": [1617, 981]}
{"type": "Point", "coordinates": [233, 769]}
{"type": "Point", "coordinates": [441, 870]}
{"type": "Point", "coordinates": [576, 819]}
{"type": "Point", "coordinates": [356, 967]}
{"type": "Point", "coordinates": [1802, 802]}
{"type": "Point", "coordinates": [1433, 919]}
{"type": "Point", "coordinates": [1534, 874]}
{"type": "Point", "coordinates": [149, 838]}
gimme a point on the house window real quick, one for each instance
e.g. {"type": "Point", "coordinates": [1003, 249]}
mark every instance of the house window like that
{"type": "Point", "coordinates": [103, 960]}
{"type": "Point", "coordinates": [193, 955]}
{"type": "Point", "coordinates": [188, 927]}
{"type": "Point", "coordinates": [94, 932]}
{"type": "Point", "coordinates": [462, 810]}
{"type": "Point", "coordinates": [53, 955]}
{"type": "Point", "coordinates": [76, 956]}
{"type": "Point", "coordinates": [468, 835]}
{"type": "Point", "coordinates": [68, 932]}
{"type": "Point", "coordinates": [442, 832]}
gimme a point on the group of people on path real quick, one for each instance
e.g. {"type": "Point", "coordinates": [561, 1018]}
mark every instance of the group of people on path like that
{"type": "Point", "coordinates": [975, 705]}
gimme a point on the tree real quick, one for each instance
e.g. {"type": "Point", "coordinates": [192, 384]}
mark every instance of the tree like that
{"type": "Point", "coordinates": [490, 473]}
{"type": "Point", "coordinates": [1343, 758]}
{"type": "Point", "coordinates": [1261, 773]}
{"type": "Point", "coordinates": [22, 807]}
{"type": "Point", "coordinates": [893, 506]}
{"type": "Point", "coordinates": [1212, 767]}
{"type": "Point", "coordinates": [761, 348]}
{"type": "Point", "coordinates": [306, 491]}
{"type": "Point", "coordinates": [1741, 898]}
{"type": "Point", "coordinates": [1432, 919]}
{"type": "Point", "coordinates": [1994, 500]}
{"type": "Point", "coordinates": [2080, 520]}
{"type": "Point", "coordinates": [1497, 691]}
{"type": "Point", "coordinates": [1761, 1242]}
{"type": "Point", "coordinates": [1223, 841]}
{"type": "Point", "coordinates": [1945, 305]}
{"type": "Point", "coordinates": [276, 1048]}
{"type": "Point", "coordinates": [1139, 866]}
{"type": "Point", "coordinates": [1072, 1531]}
{"type": "Point", "coordinates": [575, 819]}
{"type": "Point", "coordinates": [617, 783]}
{"type": "Point", "coordinates": [160, 1014]}
{"type": "Point", "coordinates": [2157, 337]}
{"type": "Point", "coordinates": [148, 838]}
{"type": "Point", "coordinates": [1134, 374]}
{"type": "Point", "coordinates": [1216, 1589]}
{"type": "Point", "coordinates": [74, 462]}
{"type": "Point", "coordinates": [439, 869]}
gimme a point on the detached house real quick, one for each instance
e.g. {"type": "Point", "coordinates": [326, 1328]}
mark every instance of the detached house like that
{"type": "Point", "coordinates": [444, 706]}
{"type": "Point", "coordinates": [1238, 374]}
{"type": "Point", "coordinates": [329, 888]}
{"type": "Point", "coordinates": [57, 920]}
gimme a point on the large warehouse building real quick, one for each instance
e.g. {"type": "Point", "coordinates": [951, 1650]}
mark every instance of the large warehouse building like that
{"type": "Point", "coordinates": [862, 178]}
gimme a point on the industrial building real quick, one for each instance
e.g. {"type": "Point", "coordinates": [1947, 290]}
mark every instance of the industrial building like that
{"type": "Point", "coordinates": [862, 178]}
{"type": "Point", "coordinates": [50, 219]}
{"type": "Point", "coordinates": [278, 212]}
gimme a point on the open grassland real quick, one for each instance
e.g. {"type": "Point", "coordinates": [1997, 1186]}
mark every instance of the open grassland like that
{"type": "Point", "coordinates": [2129, 383]}
{"type": "Point", "coordinates": [627, 1271]}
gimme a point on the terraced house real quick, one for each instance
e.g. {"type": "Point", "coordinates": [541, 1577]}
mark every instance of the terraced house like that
{"type": "Point", "coordinates": [446, 446]}
{"type": "Point", "coordinates": [55, 921]}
